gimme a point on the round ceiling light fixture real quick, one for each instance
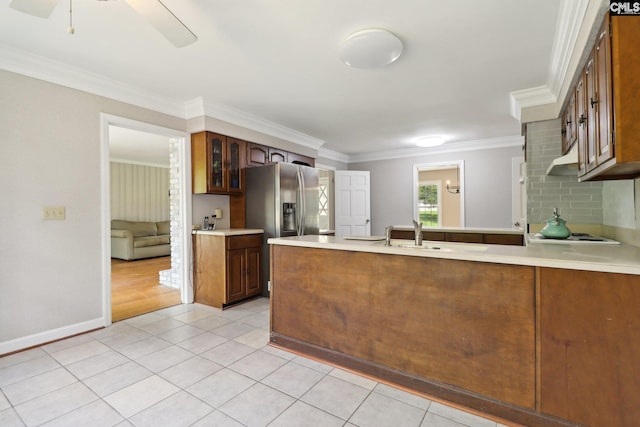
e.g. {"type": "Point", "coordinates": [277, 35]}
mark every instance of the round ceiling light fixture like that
{"type": "Point", "coordinates": [430, 141]}
{"type": "Point", "coordinates": [371, 48]}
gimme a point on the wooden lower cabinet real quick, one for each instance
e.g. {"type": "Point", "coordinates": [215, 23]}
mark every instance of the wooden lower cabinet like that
{"type": "Point", "coordinates": [227, 269]}
{"type": "Point", "coordinates": [453, 325]}
{"type": "Point", "coordinates": [589, 346]}
{"type": "Point", "coordinates": [535, 346]}
{"type": "Point", "coordinates": [442, 236]}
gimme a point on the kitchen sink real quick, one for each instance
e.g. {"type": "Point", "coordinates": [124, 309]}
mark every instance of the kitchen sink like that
{"type": "Point", "coordinates": [442, 246]}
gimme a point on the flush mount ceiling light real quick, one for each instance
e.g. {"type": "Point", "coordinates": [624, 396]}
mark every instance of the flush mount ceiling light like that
{"type": "Point", "coordinates": [430, 141]}
{"type": "Point", "coordinates": [371, 48]}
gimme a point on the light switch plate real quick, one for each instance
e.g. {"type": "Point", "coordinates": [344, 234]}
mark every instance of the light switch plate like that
{"type": "Point", "coordinates": [53, 212]}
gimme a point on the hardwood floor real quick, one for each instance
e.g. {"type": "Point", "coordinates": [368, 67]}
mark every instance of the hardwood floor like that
{"type": "Point", "coordinates": [135, 287]}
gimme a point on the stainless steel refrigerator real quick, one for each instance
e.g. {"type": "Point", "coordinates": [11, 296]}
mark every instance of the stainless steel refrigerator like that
{"type": "Point", "coordinates": [281, 199]}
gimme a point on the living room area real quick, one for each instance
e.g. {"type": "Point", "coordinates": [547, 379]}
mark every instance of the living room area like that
{"type": "Point", "coordinates": [140, 224]}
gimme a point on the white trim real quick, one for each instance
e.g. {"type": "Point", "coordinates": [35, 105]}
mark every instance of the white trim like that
{"type": "Point", "coordinates": [570, 19]}
{"type": "Point", "coordinates": [61, 73]}
{"type": "Point", "coordinates": [107, 120]}
{"type": "Point", "coordinates": [50, 335]}
{"type": "Point", "coordinates": [40, 67]}
{"type": "Point", "coordinates": [532, 97]}
{"type": "Point", "coordinates": [186, 293]}
{"type": "Point", "coordinates": [518, 192]}
{"type": "Point", "coordinates": [460, 164]}
{"type": "Point", "coordinates": [326, 153]}
{"type": "Point", "coordinates": [200, 107]}
{"type": "Point", "coordinates": [454, 147]}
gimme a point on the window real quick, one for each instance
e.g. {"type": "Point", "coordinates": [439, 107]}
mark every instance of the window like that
{"type": "Point", "coordinates": [324, 198]}
{"type": "Point", "coordinates": [428, 204]}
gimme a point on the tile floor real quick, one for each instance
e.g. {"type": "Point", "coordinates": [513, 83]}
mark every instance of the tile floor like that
{"type": "Point", "coordinates": [192, 365]}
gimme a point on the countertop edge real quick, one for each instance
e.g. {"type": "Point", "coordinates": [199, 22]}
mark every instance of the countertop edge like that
{"type": "Point", "coordinates": [229, 232]}
{"type": "Point", "coordinates": [622, 259]}
{"type": "Point", "coordinates": [463, 230]}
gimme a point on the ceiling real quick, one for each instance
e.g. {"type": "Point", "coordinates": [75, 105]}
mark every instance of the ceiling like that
{"type": "Point", "coordinates": [278, 62]}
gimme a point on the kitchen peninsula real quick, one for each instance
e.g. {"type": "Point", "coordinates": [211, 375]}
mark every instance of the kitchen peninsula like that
{"type": "Point", "coordinates": [539, 335]}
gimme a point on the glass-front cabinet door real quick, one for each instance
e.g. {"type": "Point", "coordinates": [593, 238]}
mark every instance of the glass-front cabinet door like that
{"type": "Point", "coordinates": [217, 156]}
{"type": "Point", "coordinates": [236, 163]}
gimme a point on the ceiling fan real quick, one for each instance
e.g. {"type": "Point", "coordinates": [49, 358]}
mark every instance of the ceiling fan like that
{"type": "Point", "coordinates": [158, 15]}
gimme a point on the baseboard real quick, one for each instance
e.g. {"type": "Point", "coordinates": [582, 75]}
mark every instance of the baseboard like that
{"type": "Point", "coordinates": [29, 341]}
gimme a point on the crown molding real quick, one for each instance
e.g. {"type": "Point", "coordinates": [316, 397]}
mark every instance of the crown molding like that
{"type": "Point", "coordinates": [456, 147]}
{"type": "Point", "coordinates": [200, 107]}
{"type": "Point", "coordinates": [570, 19]}
{"type": "Point", "coordinates": [524, 98]}
{"type": "Point", "coordinates": [39, 67]}
{"type": "Point", "coordinates": [326, 153]}
{"type": "Point", "coordinates": [63, 74]}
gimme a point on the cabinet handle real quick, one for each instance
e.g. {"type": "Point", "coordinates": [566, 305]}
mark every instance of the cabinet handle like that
{"type": "Point", "coordinates": [583, 119]}
{"type": "Point", "coordinates": [568, 122]}
{"type": "Point", "coordinates": [593, 102]}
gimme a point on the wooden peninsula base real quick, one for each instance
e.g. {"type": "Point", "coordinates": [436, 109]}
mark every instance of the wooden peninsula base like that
{"type": "Point", "coordinates": [463, 331]}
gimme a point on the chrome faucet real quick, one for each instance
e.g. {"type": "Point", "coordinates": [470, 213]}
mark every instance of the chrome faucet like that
{"type": "Point", "coordinates": [387, 235]}
{"type": "Point", "coordinates": [417, 230]}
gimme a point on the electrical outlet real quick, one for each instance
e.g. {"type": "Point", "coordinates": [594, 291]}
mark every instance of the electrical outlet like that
{"type": "Point", "coordinates": [53, 212]}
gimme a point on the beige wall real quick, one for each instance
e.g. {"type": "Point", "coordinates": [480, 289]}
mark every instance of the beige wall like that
{"type": "Point", "coordinates": [50, 154]}
{"type": "Point", "coordinates": [487, 187]}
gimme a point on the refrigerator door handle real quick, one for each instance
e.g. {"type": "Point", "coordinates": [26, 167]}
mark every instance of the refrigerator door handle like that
{"type": "Point", "coordinates": [304, 203]}
{"type": "Point", "coordinates": [300, 203]}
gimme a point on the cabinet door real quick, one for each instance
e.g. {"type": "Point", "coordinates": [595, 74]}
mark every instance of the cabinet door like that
{"type": "Point", "coordinates": [217, 153]}
{"type": "Point", "coordinates": [603, 102]}
{"type": "Point", "coordinates": [277, 156]}
{"type": "Point", "coordinates": [236, 272]}
{"type": "Point", "coordinates": [592, 119]}
{"type": "Point", "coordinates": [235, 165]}
{"type": "Point", "coordinates": [582, 125]}
{"type": "Point", "coordinates": [253, 276]}
{"type": "Point", "coordinates": [300, 159]}
{"type": "Point", "coordinates": [257, 155]}
{"type": "Point", "coordinates": [569, 127]}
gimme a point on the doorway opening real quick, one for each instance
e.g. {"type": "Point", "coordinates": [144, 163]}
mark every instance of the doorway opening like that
{"type": "Point", "coordinates": [438, 194]}
{"type": "Point", "coordinates": [167, 205]}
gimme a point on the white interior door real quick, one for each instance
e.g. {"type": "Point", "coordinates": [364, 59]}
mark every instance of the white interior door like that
{"type": "Point", "coordinates": [352, 203]}
{"type": "Point", "coordinates": [519, 193]}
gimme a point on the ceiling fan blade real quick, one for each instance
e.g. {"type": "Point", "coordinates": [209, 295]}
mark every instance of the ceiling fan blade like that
{"type": "Point", "coordinates": [39, 8]}
{"type": "Point", "coordinates": [164, 21]}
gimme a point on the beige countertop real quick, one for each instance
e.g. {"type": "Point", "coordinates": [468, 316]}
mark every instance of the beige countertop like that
{"type": "Point", "coordinates": [463, 229]}
{"type": "Point", "coordinates": [229, 231]}
{"type": "Point", "coordinates": [621, 258]}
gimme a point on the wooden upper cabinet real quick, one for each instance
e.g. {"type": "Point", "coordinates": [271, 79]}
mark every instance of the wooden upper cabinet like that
{"type": "Point", "coordinates": [569, 124]}
{"type": "Point", "coordinates": [581, 114]}
{"type": "Point", "coordinates": [591, 113]}
{"type": "Point", "coordinates": [277, 156]}
{"type": "Point", "coordinates": [217, 164]}
{"type": "Point", "coordinates": [603, 104]}
{"type": "Point", "coordinates": [609, 146]}
{"type": "Point", "coordinates": [257, 155]}
{"type": "Point", "coordinates": [301, 160]}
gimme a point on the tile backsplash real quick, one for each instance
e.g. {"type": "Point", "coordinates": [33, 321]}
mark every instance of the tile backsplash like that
{"type": "Point", "coordinates": [578, 202]}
